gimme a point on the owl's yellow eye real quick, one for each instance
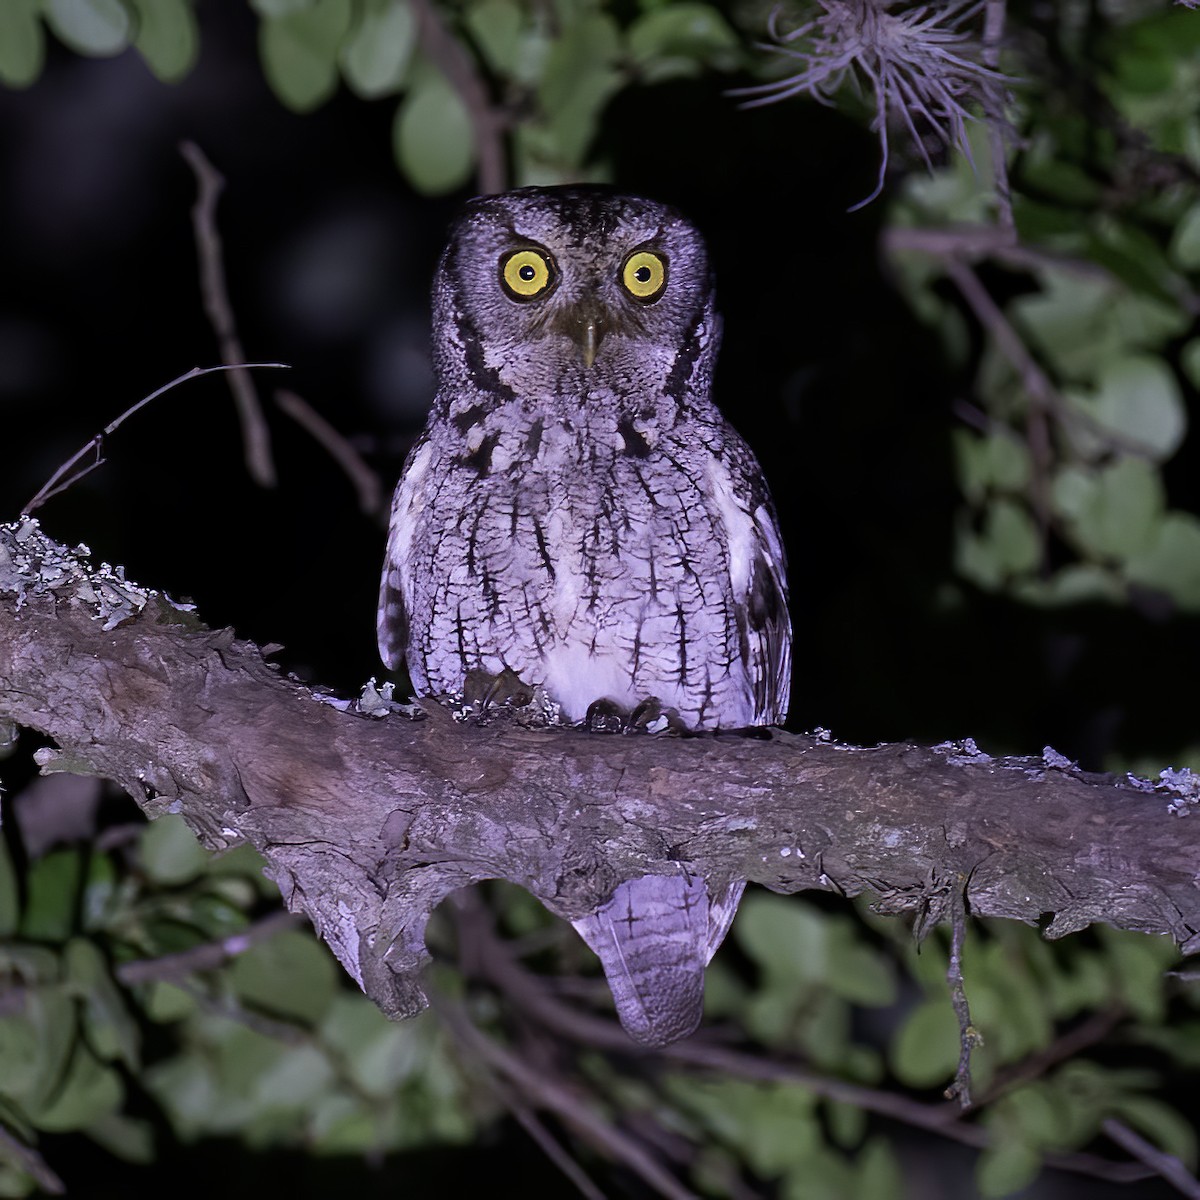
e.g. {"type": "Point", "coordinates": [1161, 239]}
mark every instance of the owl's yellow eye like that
{"type": "Point", "coordinates": [527, 273]}
{"type": "Point", "coordinates": [644, 275]}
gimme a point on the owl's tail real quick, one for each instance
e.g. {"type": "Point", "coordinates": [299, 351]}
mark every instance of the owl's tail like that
{"type": "Point", "coordinates": [654, 938]}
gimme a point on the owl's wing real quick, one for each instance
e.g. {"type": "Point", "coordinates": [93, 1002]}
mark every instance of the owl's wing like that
{"type": "Point", "coordinates": [758, 572]}
{"type": "Point", "coordinates": [768, 623]}
{"type": "Point", "coordinates": [391, 626]}
{"type": "Point", "coordinates": [654, 937]}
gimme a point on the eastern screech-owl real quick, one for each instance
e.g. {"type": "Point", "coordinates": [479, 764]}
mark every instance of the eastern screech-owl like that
{"type": "Point", "coordinates": [578, 511]}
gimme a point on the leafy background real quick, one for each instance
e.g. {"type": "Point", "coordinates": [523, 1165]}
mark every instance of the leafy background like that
{"type": "Point", "coordinates": [984, 474]}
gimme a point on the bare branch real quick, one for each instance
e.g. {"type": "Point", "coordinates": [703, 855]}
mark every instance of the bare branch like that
{"type": "Point", "coordinates": [455, 62]}
{"type": "Point", "coordinates": [366, 481]}
{"type": "Point", "coordinates": [256, 437]}
{"type": "Point", "coordinates": [559, 1099]}
{"type": "Point", "coordinates": [27, 1159]}
{"type": "Point", "coordinates": [63, 478]}
{"type": "Point", "coordinates": [993, 107]}
{"type": "Point", "coordinates": [969, 1036]}
{"type": "Point", "coordinates": [1159, 1161]}
{"type": "Point", "coordinates": [208, 956]}
{"type": "Point", "coordinates": [368, 824]}
{"type": "Point", "coordinates": [972, 242]}
{"type": "Point", "coordinates": [531, 994]}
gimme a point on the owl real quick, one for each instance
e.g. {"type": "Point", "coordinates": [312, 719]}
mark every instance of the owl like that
{"type": "Point", "coordinates": [577, 511]}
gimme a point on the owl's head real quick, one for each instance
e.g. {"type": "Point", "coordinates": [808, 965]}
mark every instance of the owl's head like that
{"type": "Point", "coordinates": [567, 291]}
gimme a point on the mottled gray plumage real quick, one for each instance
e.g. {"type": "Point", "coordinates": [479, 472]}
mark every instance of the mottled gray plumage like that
{"type": "Point", "coordinates": [578, 511]}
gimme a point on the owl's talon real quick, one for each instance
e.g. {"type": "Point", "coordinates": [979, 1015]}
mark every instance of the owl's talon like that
{"type": "Point", "coordinates": [648, 716]}
{"type": "Point", "coordinates": [604, 716]}
{"type": "Point", "coordinates": [481, 689]}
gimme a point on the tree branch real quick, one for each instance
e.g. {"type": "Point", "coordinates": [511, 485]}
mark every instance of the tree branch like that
{"type": "Point", "coordinates": [367, 824]}
{"type": "Point", "coordinates": [256, 437]}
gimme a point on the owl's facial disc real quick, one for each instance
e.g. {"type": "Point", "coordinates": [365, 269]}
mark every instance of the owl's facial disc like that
{"type": "Point", "coordinates": [588, 308]}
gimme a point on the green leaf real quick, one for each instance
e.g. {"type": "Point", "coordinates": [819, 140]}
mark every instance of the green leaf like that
{"type": "Point", "coordinates": [1000, 461]}
{"type": "Point", "coordinates": [1011, 537]}
{"type": "Point", "coordinates": [167, 1002]}
{"type": "Point", "coordinates": [432, 135]}
{"type": "Point", "coordinates": [89, 1092]}
{"type": "Point", "coordinates": [773, 1126]}
{"type": "Point", "coordinates": [925, 1050]}
{"type": "Point", "coordinates": [1138, 961]}
{"type": "Point", "coordinates": [98, 27]}
{"type": "Point", "coordinates": [292, 975]}
{"type": "Point", "coordinates": [171, 853]}
{"type": "Point", "coordinates": [1077, 583]}
{"type": "Point", "coordinates": [376, 54]}
{"type": "Point", "coordinates": [300, 52]}
{"type": "Point", "coordinates": [580, 75]}
{"type": "Point", "coordinates": [1137, 400]}
{"type": "Point", "coordinates": [1185, 243]}
{"type": "Point", "coordinates": [1007, 1166]}
{"type": "Point", "coordinates": [1171, 562]}
{"type": "Point", "coordinates": [784, 936]}
{"type": "Point", "coordinates": [35, 1046]}
{"type": "Point", "coordinates": [167, 37]}
{"type": "Point", "coordinates": [496, 26]}
{"type": "Point", "coordinates": [22, 43]}
{"type": "Point", "coordinates": [858, 972]}
{"type": "Point", "coordinates": [126, 1137]}
{"type": "Point", "coordinates": [112, 1032]}
{"type": "Point", "coordinates": [52, 893]}
{"type": "Point", "coordinates": [280, 8]}
{"type": "Point", "coordinates": [680, 40]}
{"type": "Point", "coordinates": [10, 905]}
{"type": "Point", "coordinates": [1080, 323]}
{"type": "Point", "coordinates": [1115, 512]}
{"type": "Point", "coordinates": [880, 1176]}
{"type": "Point", "coordinates": [1189, 358]}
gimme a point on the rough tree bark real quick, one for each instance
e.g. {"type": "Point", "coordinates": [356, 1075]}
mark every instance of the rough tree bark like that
{"type": "Point", "coordinates": [368, 822]}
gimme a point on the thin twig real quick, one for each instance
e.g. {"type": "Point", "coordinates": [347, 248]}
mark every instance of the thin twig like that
{"type": "Point", "coordinates": [455, 62]}
{"type": "Point", "coordinates": [1087, 1033]}
{"type": "Point", "coordinates": [61, 479]}
{"type": "Point", "coordinates": [1043, 398]}
{"type": "Point", "coordinates": [993, 107]}
{"type": "Point", "coordinates": [972, 242]}
{"type": "Point", "coordinates": [969, 1037]}
{"type": "Point", "coordinates": [531, 993]}
{"type": "Point", "coordinates": [366, 481]}
{"type": "Point", "coordinates": [26, 1158]}
{"type": "Point", "coordinates": [559, 1099]}
{"type": "Point", "coordinates": [256, 437]}
{"type": "Point", "coordinates": [550, 1147]}
{"type": "Point", "coordinates": [208, 956]}
{"type": "Point", "coordinates": [1159, 1161]}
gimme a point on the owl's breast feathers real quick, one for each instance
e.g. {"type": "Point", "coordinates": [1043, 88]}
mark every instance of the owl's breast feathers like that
{"type": "Point", "coordinates": [603, 552]}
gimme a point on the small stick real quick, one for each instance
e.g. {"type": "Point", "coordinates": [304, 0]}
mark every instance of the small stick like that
{"type": "Point", "coordinates": [969, 1036]}
{"type": "Point", "coordinates": [31, 1162]}
{"type": "Point", "coordinates": [993, 102]}
{"type": "Point", "coordinates": [1159, 1161]}
{"type": "Point", "coordinates": [56, 484]}
{"type": "Point", "coordinates": [256, 437]}
{"type": "Point", "coordinates": [456, 63]}
{"type": "Point", "coordinates": [366, 481]}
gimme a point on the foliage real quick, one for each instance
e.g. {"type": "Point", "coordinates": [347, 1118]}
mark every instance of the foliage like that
{"type": "Point", "coordinates": [268, 1042]}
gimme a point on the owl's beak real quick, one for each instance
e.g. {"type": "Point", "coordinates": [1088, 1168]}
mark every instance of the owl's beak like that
{"type": "Point", "coordinates": [589, 341]}
{"type": "Point", "coordinates": [586, 325]}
